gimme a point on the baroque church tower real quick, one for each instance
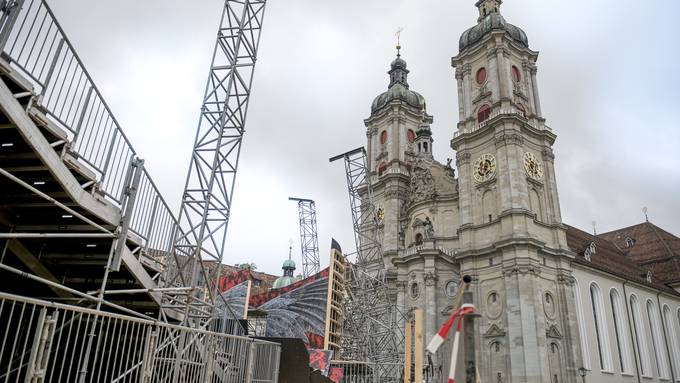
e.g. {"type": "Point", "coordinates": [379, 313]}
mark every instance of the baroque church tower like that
{"type": "Point", "coordinates": [511, 238]}
{"type": "Point", "coordinates": [497, 220]}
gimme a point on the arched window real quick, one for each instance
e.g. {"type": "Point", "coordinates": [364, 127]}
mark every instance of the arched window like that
{"type": "Point", "coordinates": [658, 341]}
{"type": "Point", "coordinates": [410, 135]}
{"type": "Point", "coordinates": [585, 350]}
{"type": "Point", "coordinates": [419, 239]}
{"type": "Point", "coordinates": [640, 338]}
{"type": "Point", "coordinates": [516, 74]}
{"type": "Point", "coordinates": [481, 76]}
{"type": "Point", "coordinates": [622, 341]}
{"type": "Point", "coordinates": [601, 328]}
{"type": "Point", "coordinates": [382, 168]}
{"type": "Point", "coordinates": [672, 334]}
{"type": "Point", "coordinates": [383, 137]}
{"type": "Point", "coordinates": [425, 147]}
{"type": "Point", "coordinates": [521, 109]}
{"type": "Point", "coordinates": [484, 113]}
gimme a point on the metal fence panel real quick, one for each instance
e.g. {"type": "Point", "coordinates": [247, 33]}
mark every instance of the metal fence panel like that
{"type": "Point", "coordinates": [48, 342]}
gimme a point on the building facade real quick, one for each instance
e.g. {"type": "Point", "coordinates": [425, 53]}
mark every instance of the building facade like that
{"type": "Point", "coordinates": [554, 302]}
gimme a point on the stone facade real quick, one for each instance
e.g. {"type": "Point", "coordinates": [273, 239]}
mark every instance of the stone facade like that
{"type": "Point", "coordinates": [495, 217]}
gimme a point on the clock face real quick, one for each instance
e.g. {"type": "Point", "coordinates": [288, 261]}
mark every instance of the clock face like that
{"type": "Point", "coordinates": [533, 166]}
{"type": "Point", "coordinates": [484, 168]}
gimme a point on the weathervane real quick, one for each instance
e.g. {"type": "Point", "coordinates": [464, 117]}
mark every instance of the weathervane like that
{"type": "Point", "coordinates": [644, 210]}
{"type": "Point", "coordinates": [398, 34]}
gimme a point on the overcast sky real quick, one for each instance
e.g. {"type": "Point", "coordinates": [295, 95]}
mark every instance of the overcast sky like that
{"type": "Point", "coordinates": [608, 77]}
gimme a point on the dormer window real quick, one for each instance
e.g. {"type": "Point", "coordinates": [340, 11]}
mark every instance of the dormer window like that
{"type": "Point", "coordinates": [630, 242]}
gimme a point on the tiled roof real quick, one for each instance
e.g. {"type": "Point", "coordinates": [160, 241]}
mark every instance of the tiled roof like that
{"type": "Point", "coordinates": [611, 259]}
{"type": "Point", "coordinates": [650, 246]}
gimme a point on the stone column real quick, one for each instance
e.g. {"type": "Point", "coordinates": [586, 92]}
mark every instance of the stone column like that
{"type": "Point", "coordinates": [397, 123]}
{"type": "Point", "coordinates": [370, 133]}
{"type": "Point", "coordinates": [530, 92]}
{"type": "Point", "coordinates": [503, 77]}
{"type": "Point", "coordinates": [461, 97]}
{"type": "Point", "coordinates": [494, 74]}
{"type": "Point", "coordinates": [467, 90]}
{"type": "Point", "coordinates": [534, 87]}
{"type": "Point", "coordinates": [430, 305]}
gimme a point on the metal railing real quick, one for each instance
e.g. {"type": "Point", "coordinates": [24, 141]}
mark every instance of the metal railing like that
{"type": "Point", "coordinates": [34, 43]}
{"type": "Point", "coordinates": [364, 372]}
{"type": "Point", "coordinates": [48, 342]}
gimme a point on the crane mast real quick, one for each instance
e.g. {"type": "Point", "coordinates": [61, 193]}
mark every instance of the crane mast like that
{"type": "Point", "coordinates": [208, 192]}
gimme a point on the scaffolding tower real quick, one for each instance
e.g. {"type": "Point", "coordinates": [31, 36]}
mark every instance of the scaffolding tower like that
{"type": "Point", "coordinates": [309, 239]}
{"type": "Point", "coordinates": [371, 331]}
{"type": "Point", "coordinates": [209, 188]}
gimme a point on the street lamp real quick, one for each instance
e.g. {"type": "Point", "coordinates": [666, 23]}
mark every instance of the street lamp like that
{"type": "Point", "coordinates": [583, 372]}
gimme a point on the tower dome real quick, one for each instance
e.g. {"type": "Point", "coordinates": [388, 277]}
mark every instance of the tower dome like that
{"type": "Point", "coordinates": [288, 269]}
{"type": "Point", "coordinates": [398, 88]}
{"type": "Point", "coordinates": [489, 20]}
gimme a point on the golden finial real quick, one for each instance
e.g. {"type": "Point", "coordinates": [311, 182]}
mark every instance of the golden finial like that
{"type": "Point", "coordinates": [398, 34]}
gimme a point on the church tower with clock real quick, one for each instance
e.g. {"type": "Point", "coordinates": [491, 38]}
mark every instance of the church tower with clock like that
{"type": "Point", "coordinates": [511, 238]}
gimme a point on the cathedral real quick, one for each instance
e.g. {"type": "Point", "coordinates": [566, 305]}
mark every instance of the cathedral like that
{"type": "Point", "coordinates": [554, 303]}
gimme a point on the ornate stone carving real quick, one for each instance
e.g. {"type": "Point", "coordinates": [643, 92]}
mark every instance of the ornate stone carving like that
{"type": "Point", "coordinates": [566, 280]}
{"type": "Point", "coordinates": [401, 286]}
{"type": "Point", "coordinates": [494, 332]}
{"type": "Point", "coordinates": [430, 279]}
{"type": "Point", "coordinates": [508, 139]}
{"type": "Point", "coordinates": [521, 270]}
{"type": "Point", "coordinates": [429, 228]}
{"type": "Point", "coordinates": [462, 158]}
{"type": "Point", "coordinates": [553, 332]}
{"type": "Point", "coordinates": [548, 154]}
{"type": "Point", "coordinates": [422, 183]}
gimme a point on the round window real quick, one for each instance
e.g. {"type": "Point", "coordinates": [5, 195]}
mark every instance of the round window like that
{"type": "Point", "coordinates": [411, 135]}
{"type": "Point", "coordinates": [481, 76]}
{"type": "Point", "coordinates": [516, 75]}
{"type": "Point", "coordinates": [383, 137]}
{"type": "Point", "coordinates": [451, 289]}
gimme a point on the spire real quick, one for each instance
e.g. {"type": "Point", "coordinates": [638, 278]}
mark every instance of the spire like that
{"type": "Point", "coordinates": [398, 34]}
{"type": "Point", "coordinates": [487, 7]}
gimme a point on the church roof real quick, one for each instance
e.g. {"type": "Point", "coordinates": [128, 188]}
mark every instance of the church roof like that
{"type": "Point", "coordinates": [611, 259]}
{"type": "Point", "coordinates": [398, 88]}
{"type": "Point", "coordinates": [650, 245]}
{"type": "Point", "coordinates": [492, 22]}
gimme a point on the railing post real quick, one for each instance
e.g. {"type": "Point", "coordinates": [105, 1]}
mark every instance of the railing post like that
{"type": "Point", "coordinates": [11, 10]}
{"type": "Point", "coordinates": [112, 144]}
{"type": "Point", "coordinates": [147, 358]}
{"type": "Point", "coordinates": [128, 206]}
{"type": "Point", "coordinates": [76, 130]}
{"type": "Point", "coordinates": [50, 71]}
{"type": "Point", "coordinates": [37, 338]}
{"type": "Point", "coordinates": [250, 367]}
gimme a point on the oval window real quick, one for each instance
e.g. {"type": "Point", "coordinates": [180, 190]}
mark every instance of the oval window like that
{"type": "Point", "coordinates": [383, 137]}
{"type": "Point", "coordinates": [516, 75]}
{"type": "Point", "coordinates": [484, 113]}
{"type": "Point", "coordinates": [410, 135]}
{"type": "Point", "coordinates": [481, 76]}
{"type": "Point", "coordinates": [415, 291]}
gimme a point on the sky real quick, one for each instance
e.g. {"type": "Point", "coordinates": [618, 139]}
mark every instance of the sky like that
{"type": "Point", "coordinates": [607, 74]}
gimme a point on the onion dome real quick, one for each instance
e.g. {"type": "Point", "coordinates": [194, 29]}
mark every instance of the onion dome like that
{"type": "Point", "coordinates": [490, 20]}
{"type": "Point", "coordinates": [288, 270]}
{"type": "Point", "coordinates": [398, 88]}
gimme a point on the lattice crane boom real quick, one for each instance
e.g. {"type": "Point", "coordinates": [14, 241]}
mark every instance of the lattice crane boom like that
{"type": "Point", "coordinates": [309, 238]}
{"type": "Point", "coordinates": [206, 202]}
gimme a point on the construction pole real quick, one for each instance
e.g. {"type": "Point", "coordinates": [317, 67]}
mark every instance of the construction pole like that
{"type": "Point", "coordinates": [407, 351]}
{"type": "Point", "coordinates": [418, 349]}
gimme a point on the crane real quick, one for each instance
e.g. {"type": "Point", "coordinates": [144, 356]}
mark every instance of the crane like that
{"type": "Point", "coordinates": [309, 239]}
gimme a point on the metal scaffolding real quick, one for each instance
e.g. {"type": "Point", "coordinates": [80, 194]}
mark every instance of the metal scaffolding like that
{"type": "Point", "coordinates": [309, 239]}
{"type": "Point", "coordinates": [371, 329]}
{"type": "Point", "coordinates": [209, 188]}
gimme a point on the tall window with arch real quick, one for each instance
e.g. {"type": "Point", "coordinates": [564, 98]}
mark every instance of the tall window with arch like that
{"type": "Point", "coordinates": [484, 113]}
{"type": "Point", "coordinates": [585, 350]}
{"type": "Point", "coordinates": [622, 339]}
{"type": "Point", "coordinates": [640, 337]}
{"type": "Point", "coordinates": [601, 330]}
{"type": "Point", "coordinates": [660, 354]}
{"type": "Point", "coordinates": [673, 335]}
